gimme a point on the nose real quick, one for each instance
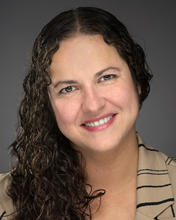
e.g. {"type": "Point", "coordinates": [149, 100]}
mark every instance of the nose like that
{"type": "Point", "coordinates": [93, 101]}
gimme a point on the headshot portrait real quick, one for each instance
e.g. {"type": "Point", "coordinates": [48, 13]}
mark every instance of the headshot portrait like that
{"type": "Point", "coordinates": [87, 117]}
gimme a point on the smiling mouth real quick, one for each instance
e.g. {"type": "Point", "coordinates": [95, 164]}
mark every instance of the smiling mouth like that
{"type": "Point", "coordinates": [99, 122]}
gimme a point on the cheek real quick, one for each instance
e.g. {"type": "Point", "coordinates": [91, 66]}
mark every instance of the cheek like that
{"type": "Point", "coordinates": [65, 112]}
{"type": "Point", "coordinates": [125, 95]}
{"type": "Point", "coordinates": [131, 101]}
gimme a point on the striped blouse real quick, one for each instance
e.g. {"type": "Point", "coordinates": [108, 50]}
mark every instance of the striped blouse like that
{"type": "Point", "coordinates": [156, 187]}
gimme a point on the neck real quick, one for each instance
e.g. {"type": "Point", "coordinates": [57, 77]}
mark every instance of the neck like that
{"type": "Point", "coordinates": [114, 170]}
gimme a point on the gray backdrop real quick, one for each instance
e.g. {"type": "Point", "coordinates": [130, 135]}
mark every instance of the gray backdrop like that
{"type": "Point", "coordinates": [152, 24]}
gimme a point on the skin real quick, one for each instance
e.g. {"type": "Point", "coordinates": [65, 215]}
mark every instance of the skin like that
{"type": "Point", "coordinates": [88, 94]}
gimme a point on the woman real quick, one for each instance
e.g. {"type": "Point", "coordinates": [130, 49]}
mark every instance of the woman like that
{"type": "Point", "coordinates": [77, 150]}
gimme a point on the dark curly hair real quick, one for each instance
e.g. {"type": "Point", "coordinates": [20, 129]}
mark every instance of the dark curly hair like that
{"type": "Point", "coordinates": [48, 177]}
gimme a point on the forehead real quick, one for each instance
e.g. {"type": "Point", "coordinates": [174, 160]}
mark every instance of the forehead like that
{"type": "Point", "coordinates": [84, 53]}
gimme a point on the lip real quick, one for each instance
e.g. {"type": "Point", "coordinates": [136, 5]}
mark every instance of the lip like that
{"type": "Point", "coordinates": [99, 127]}
{"type": "Point", "coordinates": [98, 118]}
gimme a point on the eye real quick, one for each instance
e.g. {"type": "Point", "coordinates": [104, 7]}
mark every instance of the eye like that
{"type": "Point", "coordinates": [67, 89]}
{"type": "Point", "coordinates": [107, 77]}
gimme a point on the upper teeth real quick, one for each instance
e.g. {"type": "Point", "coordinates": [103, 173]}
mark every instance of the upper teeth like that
{"type": "Point", "coordinates": [100, 122]}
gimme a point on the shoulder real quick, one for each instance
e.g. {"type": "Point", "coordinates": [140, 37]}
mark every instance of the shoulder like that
{"type": "Point", "coordinates": [161, 160]}
{"type": "Point", "coordinates": [4, 183]}
{"type": "Point", "coordinates": [5, 201]}
{"type": "Point", "coordinates": [171, 165]}
{"type": "Point", "coordinates": [156, 183]}
{"type": "Point", "coordinates": [152, 159]}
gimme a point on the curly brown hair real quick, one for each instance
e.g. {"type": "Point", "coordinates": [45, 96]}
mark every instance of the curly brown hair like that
{"type": "Point", "coordinates": [48, 179]}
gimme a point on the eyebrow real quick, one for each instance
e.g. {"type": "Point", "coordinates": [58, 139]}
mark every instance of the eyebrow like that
{"type": "Point", "coordinates": [97, 74]}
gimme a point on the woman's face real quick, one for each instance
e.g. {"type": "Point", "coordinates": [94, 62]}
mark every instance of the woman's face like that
{"type": "Point", "coordinates": [92, 94]}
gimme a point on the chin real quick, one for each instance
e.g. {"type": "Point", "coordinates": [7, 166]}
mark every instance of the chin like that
{"type": "Point", "coordinates": [106, 146]}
